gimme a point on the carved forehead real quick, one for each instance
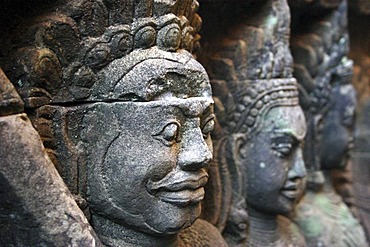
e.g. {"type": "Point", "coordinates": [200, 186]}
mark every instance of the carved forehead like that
{"type": "Point", "coordinates": [193, 106]}
{"type": "Point", "coordinates": [286, 120]}
{"type": "Point", "coordinates": [152, 74]}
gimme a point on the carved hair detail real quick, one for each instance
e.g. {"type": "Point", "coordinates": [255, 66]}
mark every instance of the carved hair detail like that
{"type": "Point", "coordinates": [83, 52]}
{"type": "Point", "coordinates": [255, 98]}
{"type": "Point", "coordinates": [320, 58]}
{"type": "Point", "coordinates": [59, 57]}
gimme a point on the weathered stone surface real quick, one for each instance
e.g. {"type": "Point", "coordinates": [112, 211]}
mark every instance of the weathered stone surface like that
{"type": "Point", "coordinates": [360, 53]}
{"type": "Point", "coordinates": [36, 207]}
{"type": "Point", "coordinates": [362, 6]}
{"type": "Point", "coordinates": [257, 110]}
{"type": "Point", "coordinates": [324, 72]}
{"type": "Point", "coordinates": [61, 56]}
{"type": "Point", "coordinates": [361, 168]}
{"type": "Point", "coordinates": [10, 102]}
{"type": "Point", "coordinates": [125, 113]}
{"type": "Point", "coordinates": [158, 147]}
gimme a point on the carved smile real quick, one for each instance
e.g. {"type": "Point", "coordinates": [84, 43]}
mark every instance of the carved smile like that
{"type": "Point", "coordinates": [178, 190]}
{"type": "Point", "coordinates": [291, 190]}
{"type": "Point", "coordinates": [182, 198]}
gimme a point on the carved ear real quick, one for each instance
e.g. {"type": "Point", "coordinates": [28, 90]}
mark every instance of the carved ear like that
{"type": "Point", "coordinates": [238, 215]}
{"type": "Point", "coordinates": [237, 142]}
{"type": "Point", "coordinates": [235, 163]}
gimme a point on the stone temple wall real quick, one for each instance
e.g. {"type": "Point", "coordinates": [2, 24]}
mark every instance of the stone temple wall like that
{"type": "Point", "coordinates": [185, 123]}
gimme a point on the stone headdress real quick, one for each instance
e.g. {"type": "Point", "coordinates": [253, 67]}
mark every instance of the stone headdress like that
{"type": "Point", "coordinates": [91, 51]}
{"type": "Point", "coordinates": [256, 98]}
{"type": "Point", "coordinates": [320, 60]}
{"type": "Point", "coordinates": [251, 72]}
{"type": "Point", "coordinates": [64, 56]}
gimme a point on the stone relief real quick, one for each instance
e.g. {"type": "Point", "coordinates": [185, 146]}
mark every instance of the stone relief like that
{"type": "Point", "coordinates": [359, 12]}
{"type": "Point", "coordinates": [360, 168]}
{"type": "Point", "coordinates": [108, 116]}
{"type": "Point", "coordinates": [323, 70]}
{"type": "Point", "coordinates": [337, 140]}
{"type": "Point", "coordinates": [163, 186]}
{"type": "Point", "coordinates": [125, 113]}
{"type": "Point", "coordinates": [47, 215]}
{"type": "Point", "coordinates": [271, 158]}
{"type": "Point", "coordinates": [260, 125]}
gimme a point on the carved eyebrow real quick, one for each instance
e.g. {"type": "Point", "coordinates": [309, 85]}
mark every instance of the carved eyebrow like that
{"type": "Point", "coordinates": [287, 134]}
{"type": "Point", "coordinates": [288, 131]}
{"type": "Point", "coordinates": [207, 116]}
{"type": "Point", "coordinates": [208, 111]}
{"type": "Point", "coordinates": [199, 111]}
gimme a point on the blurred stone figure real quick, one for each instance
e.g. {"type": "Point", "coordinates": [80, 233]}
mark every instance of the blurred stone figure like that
{"type": "Point", "coordinates": [337, 141]}
{"type": "Point", "coordinates": [337, 130]}
{"type": "Point", "coordinates": [323, 71]}
{"type": "Point", "coordinates": [125, 112]}
{"type": "Point", "coordinates": [260, 125]}
{"type": "Point", "coordinates": [271, 157]}
{"type": "Point", "coordinates": [360, 167]}
{"type": "Point", "coordinates": [353, 183]}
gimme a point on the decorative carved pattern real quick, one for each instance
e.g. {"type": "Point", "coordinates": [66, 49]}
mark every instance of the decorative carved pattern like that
{"type": "Point", "coordinates": [251, 76]}
{"type": "Point", "coordinates": [64, 55]}
{"type": "Point", "coordinates": [125, 112]}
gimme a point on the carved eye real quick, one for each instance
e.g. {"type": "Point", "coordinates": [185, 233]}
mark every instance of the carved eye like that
{"type": "Point", "coordinates": [169, 135]}
{"type": "Point", "coordinates": [208, 127]}
{"type": "Point", "coordinates": [282, 149]}
{"type": "Point", "coordinates": [284, 145]}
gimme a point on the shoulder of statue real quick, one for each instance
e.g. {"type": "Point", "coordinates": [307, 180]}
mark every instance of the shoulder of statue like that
{"type": "Point", "coordinates": [290, 232]}
{"type": "Point", "coordinates": [201, 233]}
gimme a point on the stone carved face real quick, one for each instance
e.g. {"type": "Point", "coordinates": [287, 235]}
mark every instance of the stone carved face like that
{"type": "Point", "coordinates": [148, 161]}
{"type": "Point", "coordinates": [273, 163]}
{"type": "Point", "coordinates": [337, 131]}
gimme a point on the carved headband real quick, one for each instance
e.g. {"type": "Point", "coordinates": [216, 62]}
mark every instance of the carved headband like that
{"type": "Point", "coordinates": [256, 97]}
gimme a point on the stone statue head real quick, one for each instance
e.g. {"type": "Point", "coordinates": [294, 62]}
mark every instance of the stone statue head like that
{"type": "Point", "coordinates": [124, 109]}
{"type": "Point", "coordinates": [338, 122]}
{"type": "Point", "coordinates": [273, 126]}
{"type": "Point", "coordinates": [147, 158]}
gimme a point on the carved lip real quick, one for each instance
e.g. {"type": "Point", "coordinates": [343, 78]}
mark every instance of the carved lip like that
{"type": "Point", "coordinates": [182, 198]}
{"type": "Point", "coordinates": [291, 190]}
{"type": "Point", "coordinates": [179, 189]}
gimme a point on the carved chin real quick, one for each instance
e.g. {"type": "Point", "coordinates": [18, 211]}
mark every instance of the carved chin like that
{"type": "Point", "coordinates": [173, 220]}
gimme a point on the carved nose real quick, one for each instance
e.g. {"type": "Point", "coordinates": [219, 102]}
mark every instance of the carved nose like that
{"type": "Point", "coordinates": [194, 153]}
{"type": "Point", "coordinates": [298, 170]}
